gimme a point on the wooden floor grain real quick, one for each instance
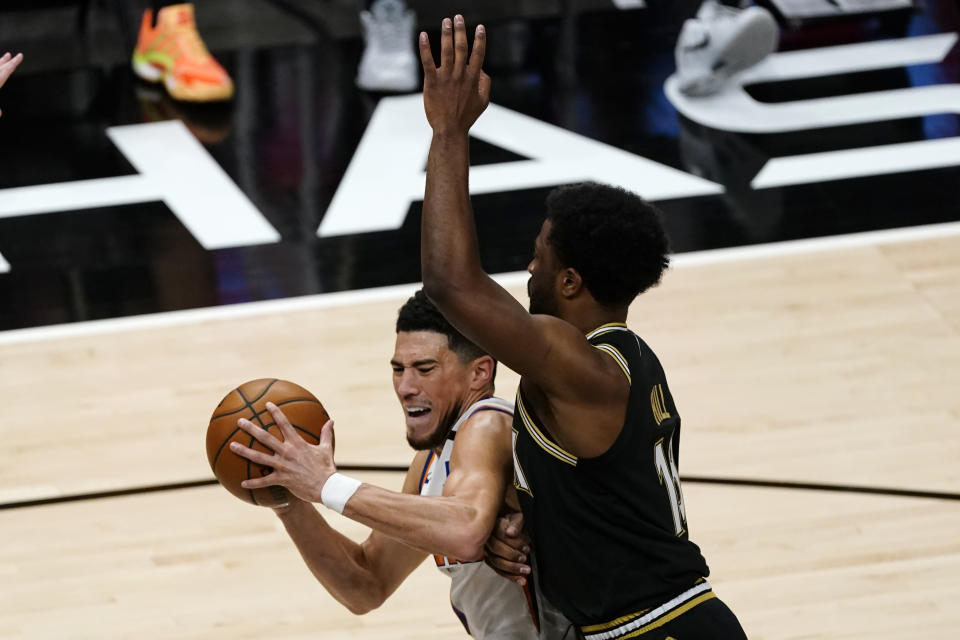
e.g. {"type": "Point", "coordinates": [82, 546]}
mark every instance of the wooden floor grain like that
{"type": "Point", "coordinates": [839, 366]}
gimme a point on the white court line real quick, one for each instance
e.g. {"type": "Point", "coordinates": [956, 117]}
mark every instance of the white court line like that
{"type": "Point", "coordinates": [400, 292]}
{"type": "Point", "coordinates": [812, 245]}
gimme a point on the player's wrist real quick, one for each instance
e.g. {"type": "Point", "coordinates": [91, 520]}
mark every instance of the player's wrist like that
{"type": "Point", "coordinates": [451, 134]}
{"type": "Point", "coordinates": [337, 490]}
{"type": "Point", "coordinates": [291, 505]}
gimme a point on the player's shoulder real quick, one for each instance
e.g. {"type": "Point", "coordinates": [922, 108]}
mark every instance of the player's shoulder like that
{"type": "Point", "coordinates": [558, 329]}
{"type": "Point", "coordinates": [613, 332]}
{"type": "Point", "coordinates": [484, 436]}
{"type": "Point", "coordinates": [490, 415]}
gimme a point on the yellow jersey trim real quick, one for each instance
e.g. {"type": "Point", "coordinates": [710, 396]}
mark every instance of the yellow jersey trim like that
{"type": "Point", "coordinates": [639, 623]}
{"type": "Point", "coordinates": [542, 440]}
{"type": "Point", "coordinates": [613, 623]}
{"type": "Point", "coordinates": [607, 328]}
{"type": "Point", "coordinates": [659, 622]}
{"type": "Point", "coordinates": [614, 353]}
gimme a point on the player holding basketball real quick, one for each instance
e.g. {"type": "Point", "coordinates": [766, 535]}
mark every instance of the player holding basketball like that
{"type": "Point", "coordinates": [451, 495]}
{"type": "Point", "coordinates": [596, 432]}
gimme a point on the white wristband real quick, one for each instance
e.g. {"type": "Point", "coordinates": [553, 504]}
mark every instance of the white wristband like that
{"type": "Point", "coordinates": [337, 490]}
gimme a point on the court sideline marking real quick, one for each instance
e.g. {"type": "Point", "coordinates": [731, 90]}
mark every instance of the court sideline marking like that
{"type": "Point", "coordinates": [735, 482]}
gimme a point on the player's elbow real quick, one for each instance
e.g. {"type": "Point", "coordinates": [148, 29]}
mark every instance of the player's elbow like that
{"type": "Point", "coordinates": [360, 608]}
{"type": "Point", "coordinates": [370, 600]}
{"type": "Point", "coordinates": [437, 285]}
{"type": "Point", "coordinates": [451, 276]}
{"type": "Point", "coordinates": [468, 552]}
{"type": "Point", "coordinates": [470, 543]}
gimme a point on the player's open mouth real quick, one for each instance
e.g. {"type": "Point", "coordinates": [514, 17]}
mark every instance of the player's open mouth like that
{"type": "Point", "coordinates": [417, 412]}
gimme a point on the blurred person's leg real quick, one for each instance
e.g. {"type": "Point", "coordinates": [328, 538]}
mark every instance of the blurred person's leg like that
{"type": "Point", "coordinates": [389, 62]}
{"type": "Point", "coordinates": [720, 41]}
{"type": "Point", "coordinates": [169, 50]}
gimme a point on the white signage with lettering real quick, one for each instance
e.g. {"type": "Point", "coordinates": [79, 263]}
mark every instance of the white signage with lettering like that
{"type": "Point", "coordinates": [173, 167]}
{"type": "Point", "coordinates": [386, 173]}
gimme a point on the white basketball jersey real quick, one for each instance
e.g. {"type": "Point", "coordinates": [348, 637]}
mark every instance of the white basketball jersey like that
{"type": "Point", "coordinates": [488, 605]}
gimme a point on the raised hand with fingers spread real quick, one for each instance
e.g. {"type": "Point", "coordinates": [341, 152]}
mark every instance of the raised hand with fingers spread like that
{"type": "Point", "coordinates": [8, 64]}
{"type": "Point", "coordinates": [458, 91]}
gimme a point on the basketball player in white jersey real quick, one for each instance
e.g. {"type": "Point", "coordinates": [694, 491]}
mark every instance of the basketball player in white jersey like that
{"type": "Point", "coordinates": [451, 496]}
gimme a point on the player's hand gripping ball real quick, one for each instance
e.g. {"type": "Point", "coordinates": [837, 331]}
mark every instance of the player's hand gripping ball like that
{"type": "Point", "coordinates": [249, 401]}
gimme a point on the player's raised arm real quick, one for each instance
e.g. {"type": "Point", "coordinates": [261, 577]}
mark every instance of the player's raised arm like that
{"type": "Point", "coordinates": [543, 349]}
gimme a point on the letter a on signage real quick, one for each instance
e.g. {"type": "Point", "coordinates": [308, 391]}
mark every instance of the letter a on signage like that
{"type": "Point", "coordinates": [386, 173]}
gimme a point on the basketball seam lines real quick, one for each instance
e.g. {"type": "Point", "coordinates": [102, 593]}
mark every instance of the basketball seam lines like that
{"type": "Point", "coordinates": [221, 415]}
{"type": "Point", "coordinates": [253, 498]}
{"type": "Point", "coordinates": [248, 404]}
{"type": "Point", "coordinates": [279, 404]}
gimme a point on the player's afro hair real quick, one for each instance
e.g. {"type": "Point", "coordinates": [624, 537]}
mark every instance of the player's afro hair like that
{"type": "Point", "coordinates": [420, 314]}
{"type": "Point", "coordinates": [613, 238]}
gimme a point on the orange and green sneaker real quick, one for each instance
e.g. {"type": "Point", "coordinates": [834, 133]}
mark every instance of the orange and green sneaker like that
{"type": "Point", "coordinates": [173, 53]}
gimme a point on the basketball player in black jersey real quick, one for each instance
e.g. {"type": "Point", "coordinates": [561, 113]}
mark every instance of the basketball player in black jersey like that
{"type": "Point", "coordinates": [596, 432]}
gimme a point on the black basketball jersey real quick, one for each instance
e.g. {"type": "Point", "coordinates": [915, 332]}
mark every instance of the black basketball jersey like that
{"type": "Point", "coordinates": [610, 532]}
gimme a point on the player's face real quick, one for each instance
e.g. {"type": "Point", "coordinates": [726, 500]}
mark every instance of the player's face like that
{"type": "Point", "coordinates": [430, 382]}
{"type": "Point", "coordinates": [541, 287]}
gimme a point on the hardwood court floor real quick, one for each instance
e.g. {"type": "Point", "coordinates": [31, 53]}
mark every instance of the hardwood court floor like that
{"type": "Point", "coordinates": [837, 366]}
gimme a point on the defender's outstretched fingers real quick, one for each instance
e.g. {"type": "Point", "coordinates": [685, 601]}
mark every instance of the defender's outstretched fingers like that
{"type": "Point", "coordinates": [426, 56]}
{"type": "Point", "coordinates": [479, 49]}
{"type": "Point", "coordinates": [260, 434]}
{"type": "Point", "coordinates": [459, 45]}
{"type": "Point", "coordinates": [446, 45]}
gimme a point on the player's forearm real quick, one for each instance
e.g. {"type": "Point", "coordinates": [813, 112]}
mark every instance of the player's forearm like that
{"type": "Point", "coordinates": [336, 561]}
{"type": "Point", "coordinates": [449, 254]}
{"type": "Point", "coordinates": [437, 525]}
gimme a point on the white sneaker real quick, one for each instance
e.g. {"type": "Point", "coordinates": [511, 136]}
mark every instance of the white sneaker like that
{"type": "Point", "coordinates": [388, 62]}
{"type": "Point", "coordinates": [720, 42]}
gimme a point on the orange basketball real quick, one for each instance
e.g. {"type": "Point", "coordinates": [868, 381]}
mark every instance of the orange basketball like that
{"type": "Point", "coordinates": [249, 401]}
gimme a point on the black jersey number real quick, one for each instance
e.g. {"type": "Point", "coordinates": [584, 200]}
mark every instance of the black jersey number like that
{"type": "Point", "coordinates": [669, 478]}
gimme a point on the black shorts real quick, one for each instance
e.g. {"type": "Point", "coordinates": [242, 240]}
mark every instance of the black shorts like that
{"type": "Point", "coordinates": [695, 615]}
{"type": "Point", "coordinates": [710, 620]}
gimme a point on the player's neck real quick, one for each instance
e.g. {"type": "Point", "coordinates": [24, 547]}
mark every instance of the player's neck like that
{"type": "Point", "coordinates": [473, 397]}
{"type": "Point", "coordinates": [468, 401]}
{"type": "Point", "coordinates": [588, 318]}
